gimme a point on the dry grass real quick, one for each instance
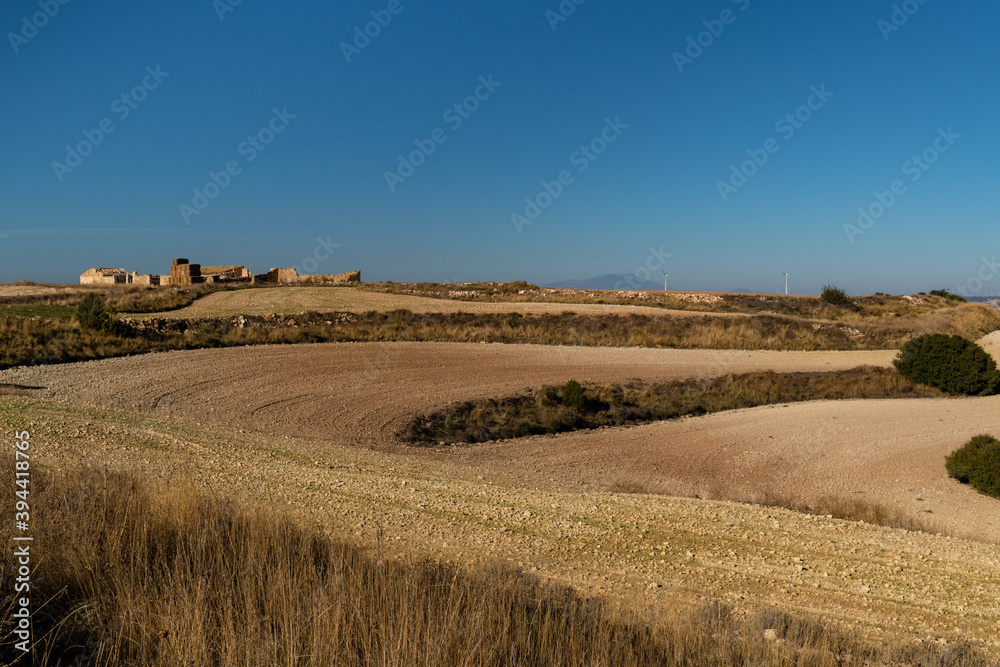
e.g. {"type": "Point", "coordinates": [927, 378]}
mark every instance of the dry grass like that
{"type": "Point", "coordinates": [851, 509]}
{"type": "Point", "coordinates": [126, 573]}
{"type": "Point", "coordinates": [549, 410]}
{"type": "Point", "coordinates": [808, 307]}
{"type": "Point", "coordinates": [837, 507]}
{"type": "Point", "coordinates": [38, 340]}
{"type": "Point", "coordinates": [31, 341]}
{"type": "Point", "coordinates": [61, 299]}
{"type": "Point", "coordinates": [764, 332]}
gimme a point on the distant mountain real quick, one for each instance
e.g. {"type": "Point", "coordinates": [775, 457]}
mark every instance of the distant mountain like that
{"type": "Point", "coordinates": [610, 281]}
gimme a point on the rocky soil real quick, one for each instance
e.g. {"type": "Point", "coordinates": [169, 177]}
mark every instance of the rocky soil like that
{"type": "Point", "coordinates": [640, 549]}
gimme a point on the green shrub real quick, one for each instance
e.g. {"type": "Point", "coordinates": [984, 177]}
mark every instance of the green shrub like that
{"type": "Point", "coordinates": [977, 463]}
{"type": "Point", "coordinates": [573, 395]}
{"type": "Point", "coordinates": [94, 314]}
{"type": "Point", "coordinates": [951, 363]}
{"type": "Point", "coordinates": [835, 296]}
{"type": "Point", "coordinates": [947, 295]}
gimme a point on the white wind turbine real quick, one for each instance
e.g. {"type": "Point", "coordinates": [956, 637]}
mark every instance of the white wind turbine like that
{"type": "Point", "coordinates": [786, 283]}
{"type": "Point", "coordinates": [665, 281]}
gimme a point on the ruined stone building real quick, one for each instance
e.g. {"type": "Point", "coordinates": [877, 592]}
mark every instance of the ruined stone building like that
{"type": "Point", "coordinates": [279, 276]}
{"type": "Point", "coordinates": [221, 274]}
{"type": "Point", "coordinates": [104, 277]}
{"type": "Point", "coordinates": [183, 272]}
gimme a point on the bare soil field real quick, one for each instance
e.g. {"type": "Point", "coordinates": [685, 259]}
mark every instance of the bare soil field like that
{"type": "Point", "coordinates": [889, 452]}
{"type": "Point", "coordinates": [293, 300]}
{"type": "Point", "coordinates": [311, 427]}
{"type": "Point", "coordinates": [646, 551]}
{"type": "Point", "coordinates": [360, 393]}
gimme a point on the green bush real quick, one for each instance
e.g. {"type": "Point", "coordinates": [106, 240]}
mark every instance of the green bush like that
{"type": "Point", "coordinates": [573, 395]}
{"type": "Point", "coordinates": [951, 363]}
{"type": "Point", "coordinates": [94, 314]}
{"type": "Point", "coordinates": [835, 296]}
{"type": "Point", "coordinates": [977, 463]}
{"type": "Point", "coordinates": [947, 295]}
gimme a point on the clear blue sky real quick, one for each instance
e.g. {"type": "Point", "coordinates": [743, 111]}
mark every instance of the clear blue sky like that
{"type": "Point", "coordinates": [657, 184]}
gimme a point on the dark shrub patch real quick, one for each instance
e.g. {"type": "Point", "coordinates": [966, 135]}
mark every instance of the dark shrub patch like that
{"type": "Point", "coordinates": [951, 363]}
{"type": "Point", "coordinates": [977, 463]}
{"type": "Point", "coordinates": [835, 296]}
{"type": "Point", "coordinates": [573, 395]}
{"type": "Point", "coordinates": [573, 407]}
{"type": "Point", "coordinates": [947, 295]}
{"type": "Point", "coordinates": [94, 314]}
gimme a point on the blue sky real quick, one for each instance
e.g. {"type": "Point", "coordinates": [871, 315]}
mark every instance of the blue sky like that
{"type": "Point", "coordinates": [227, 73]}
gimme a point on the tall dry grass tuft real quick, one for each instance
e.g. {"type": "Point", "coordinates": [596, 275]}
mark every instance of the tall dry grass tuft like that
{"type": "Point", "coordinates": [133, 574]}
{"type": "Point", "coordinates": [850, 509]}
{"type": "Point", "coordinates": [837, 507]}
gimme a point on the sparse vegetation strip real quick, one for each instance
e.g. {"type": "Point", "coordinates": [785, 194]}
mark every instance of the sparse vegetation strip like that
{"type": "Point", "coordinates": [132, 573]}
{"type": "Point", "coordinates": [811, 307]}
{"type": "Point", "coordinates": [54, 329]}
{"type": "Point", "coordinates": [26, 342]}
{"type": "Point", "coordinates": [574, 407]}
{"type": "Point", "coordinates": [123, 299]}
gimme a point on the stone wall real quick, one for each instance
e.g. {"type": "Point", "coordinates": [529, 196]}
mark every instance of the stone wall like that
{"type": "Point", "coordinates": [327, 278]}
{"type": "Point", "coordinates": [147, 279]}
{"type": "Point", "coordinates": [104, 277]}
{"type": "Point", "coordinates": [277, 276]}
{"type": "Point", "coordinates": [226, 273]}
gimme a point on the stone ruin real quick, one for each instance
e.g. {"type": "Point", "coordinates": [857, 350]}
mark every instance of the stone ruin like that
{"type": "Point", "coordinates": [183, 272]}
{"type": "Point", "coordinates": [292, 277]}
{"type": "Point", "coordinates": [104, 277]}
